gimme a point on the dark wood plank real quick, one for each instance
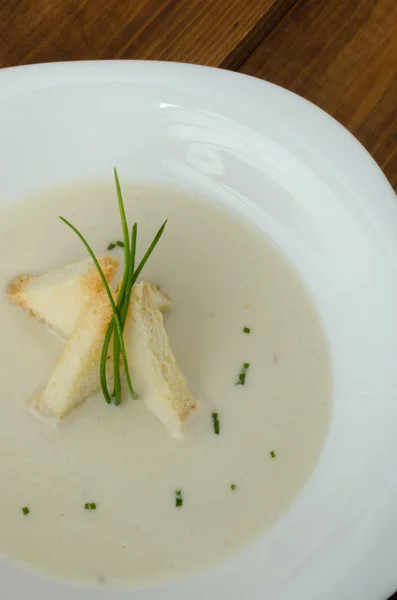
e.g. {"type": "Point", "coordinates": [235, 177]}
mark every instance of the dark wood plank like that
{"type": "Point", "coordinates": [341, 55]}
{"type": "Point", "coordinates": [211, 32]}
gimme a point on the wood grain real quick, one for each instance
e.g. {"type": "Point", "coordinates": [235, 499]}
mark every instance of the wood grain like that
{"type": "Point", "coordinates": [210, 32]}
{"type": "Point", "coordinates": [343, 57]}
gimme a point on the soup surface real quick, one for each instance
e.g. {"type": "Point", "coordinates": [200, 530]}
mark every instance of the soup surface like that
{"type": "Point", "coordinates": [223, 277]}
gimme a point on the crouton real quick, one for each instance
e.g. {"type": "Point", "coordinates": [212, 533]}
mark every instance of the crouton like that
{"type": "Point", "coordinates": [75, 375]}
{"type": "Point", "coordinates": [153, 366]}
{"type": "Point", "coordinates": [59, 297]}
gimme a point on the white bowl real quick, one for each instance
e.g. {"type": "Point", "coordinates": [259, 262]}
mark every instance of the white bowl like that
{"type": "Point", "coordinates": [296, 173]}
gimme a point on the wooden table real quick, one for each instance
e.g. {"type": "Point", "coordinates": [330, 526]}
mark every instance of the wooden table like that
{"type": "Point", "coordinates": [341, 54]}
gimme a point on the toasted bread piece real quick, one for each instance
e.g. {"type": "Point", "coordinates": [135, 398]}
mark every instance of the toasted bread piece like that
{"type": "Point", "coordinates": [153, 366]}
{"type": "Point", "coordinates": [60, 297]}
{"type": "Point", "coordinates": [75, 375]}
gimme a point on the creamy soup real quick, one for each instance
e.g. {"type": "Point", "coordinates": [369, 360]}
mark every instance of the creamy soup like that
{"type": "Point", "coordinates": [160, 507]}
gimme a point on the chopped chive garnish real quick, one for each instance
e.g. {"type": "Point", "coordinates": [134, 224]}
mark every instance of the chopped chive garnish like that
{"type": "Point", "coordinates": [122, 304]}
{"type": "Point", "coordinates": [132, 278]}
{"type": "Point", "coordinates": [129, 278]}
{"type": "Point", "coordinates": [113, 245]}
{"type": "Point", "coordinates": [121, 298]}
{"type": "Point", "coordinates": [215, 422]}
{"type": "Point", "coordinates": [149, 251]}
{"type": "Point", "coordinates": [233, 486]}
{"type": "Point", "coordinates": [178, 498]}
{"type": "Point", "coordinates": [241, 377]}
{"type": "Point", "coordinates": [90, 506]}
{"type": "Point", "coordinates": [117, 323]}
{"type": "Point", "coordinates": [272, 454]}
{"type": "Point", "coordinates": [247, 330]}
{"type": "Point", "coordinates": [25, 510]}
